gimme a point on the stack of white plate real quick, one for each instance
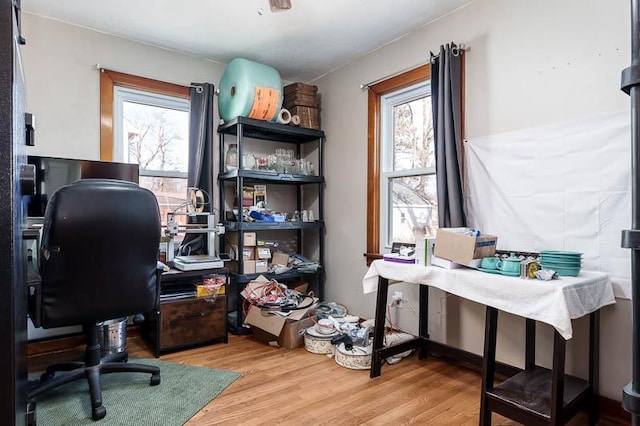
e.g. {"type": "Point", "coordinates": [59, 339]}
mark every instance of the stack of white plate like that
{"type": "Point", "coordinates": [565, 263]}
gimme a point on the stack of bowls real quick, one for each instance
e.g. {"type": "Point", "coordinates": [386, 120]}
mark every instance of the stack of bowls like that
{"type": "Point", "coordinates": [565, 263]}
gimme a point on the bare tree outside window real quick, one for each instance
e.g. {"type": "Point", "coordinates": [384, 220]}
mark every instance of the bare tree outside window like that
{"type": "Point", "coordinates": [410, 171]}
{"type": "Point", "coordinates": [156, 138]}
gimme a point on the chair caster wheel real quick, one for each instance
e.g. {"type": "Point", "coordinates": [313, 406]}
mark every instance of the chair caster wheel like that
{"type": "Point", "coordinates": [47, 375]}
{"type": "Point", "coordinates": [98, 413]}
{"type": "Point", "coordinates": [155, 380]}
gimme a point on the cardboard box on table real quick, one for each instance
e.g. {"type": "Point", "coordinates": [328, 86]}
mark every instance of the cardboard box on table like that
{"type": "Point", "coordinates": [287, 332]}
{"type": "Point", "coordinates": [463, 249]}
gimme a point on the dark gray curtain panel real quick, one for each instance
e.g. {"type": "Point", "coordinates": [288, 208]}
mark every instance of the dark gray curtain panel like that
{"type": "Point", "coordinates": [447, 128]}
{"type": "Point", "coordinates": [201, 139]}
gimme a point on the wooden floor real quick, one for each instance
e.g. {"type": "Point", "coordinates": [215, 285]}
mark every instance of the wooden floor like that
{"type": "Point", "coordinates": [295, 387]}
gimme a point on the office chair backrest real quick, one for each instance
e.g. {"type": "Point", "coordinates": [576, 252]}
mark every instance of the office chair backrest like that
{"type": "Point", "coordinates": [99, 252]}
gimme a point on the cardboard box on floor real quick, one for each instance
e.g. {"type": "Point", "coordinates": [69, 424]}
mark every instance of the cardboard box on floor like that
{"type": "Point", "coordinates": [287, 332]}
{"type": "Point", "coordinates": [290, 331]}
{"type": "Point", "coordinates": [463, 248]}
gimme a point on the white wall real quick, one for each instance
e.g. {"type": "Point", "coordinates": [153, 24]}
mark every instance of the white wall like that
{"type": "Point", "coordinates": [63, 85]}
{"type": "Point", "coordinates": [529, 63]}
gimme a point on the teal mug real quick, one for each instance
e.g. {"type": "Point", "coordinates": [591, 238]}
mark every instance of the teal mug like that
{"type": "Point", "coordinates": [509, 265]}
{"type": "Point", "coordinates": [489, 263]}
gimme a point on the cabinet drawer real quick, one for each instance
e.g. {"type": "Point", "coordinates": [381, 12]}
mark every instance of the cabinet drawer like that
{"type": "Point", "coordinates": [191, 321]}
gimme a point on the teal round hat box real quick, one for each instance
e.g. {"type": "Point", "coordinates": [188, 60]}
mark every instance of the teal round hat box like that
{"type": "Point", "coordinates": [250, 89]}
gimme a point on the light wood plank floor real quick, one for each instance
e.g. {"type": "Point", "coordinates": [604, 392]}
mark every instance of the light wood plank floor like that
{"type": "Point", "coordinates": [295, 387]}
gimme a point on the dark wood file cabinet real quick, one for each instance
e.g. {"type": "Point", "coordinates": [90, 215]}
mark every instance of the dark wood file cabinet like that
{"type": "Point", "coordinates": [182, 323]}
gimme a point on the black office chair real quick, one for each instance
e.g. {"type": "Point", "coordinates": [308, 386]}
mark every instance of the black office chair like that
{"type": "Point", "coordinates": [98, 261]}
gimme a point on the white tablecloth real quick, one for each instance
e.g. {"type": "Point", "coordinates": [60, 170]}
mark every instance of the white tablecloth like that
{"type": "Point", "coordinates": [554, 302]}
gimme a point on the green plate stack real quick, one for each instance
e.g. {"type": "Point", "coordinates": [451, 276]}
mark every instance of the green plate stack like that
{"type": "Point", "coordinates": [565, 263]}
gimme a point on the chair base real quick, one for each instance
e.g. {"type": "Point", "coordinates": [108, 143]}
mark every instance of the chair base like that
{"type": "Point", "coordinates": [91, 369]}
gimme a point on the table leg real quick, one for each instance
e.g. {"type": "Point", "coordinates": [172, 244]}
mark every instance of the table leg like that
{"type": "Point", "coordinates": [557, 379]}
{"type": "Point", "coordinates": [530, 345]}
{"type": "Point", "coordinates": [378, 336]}
{"type": "Point", "coordinates": [488, 363]}
{"type": "Point", "coordinates": [423, 318]}
{"type": "Point", "coordinates": [594, 365]}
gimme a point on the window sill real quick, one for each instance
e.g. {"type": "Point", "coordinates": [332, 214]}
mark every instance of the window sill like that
{"type": "Point", "coordinates": [371, 257]}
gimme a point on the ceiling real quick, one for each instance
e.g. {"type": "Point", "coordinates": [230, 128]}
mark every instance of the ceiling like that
{"type": "Point", "coordinates": [311, 39]}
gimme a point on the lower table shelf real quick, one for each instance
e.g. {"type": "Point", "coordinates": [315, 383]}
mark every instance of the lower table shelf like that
{"type": "Point", "coordinates": [530, 391]}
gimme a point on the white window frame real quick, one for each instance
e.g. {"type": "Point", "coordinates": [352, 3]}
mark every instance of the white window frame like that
{"type": "Point", "coordinates": [125, 94]}
{"type": "Point", "coordinates": [387, 103]}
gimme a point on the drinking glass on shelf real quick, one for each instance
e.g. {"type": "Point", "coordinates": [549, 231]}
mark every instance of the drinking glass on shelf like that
{"type": "Point", "coordinates": [272, 162]}
{"type": "Point", "coordinates": [291, 157]}
{"type": "Point", "coordinates": [281, 160]}
{"type": "Point", "coordinates": [304, 167]}
{"type": "Point", "coordinates": [262, 162]}
{"type": "Point", "coordinates": [248, 161]}
{"type": "Point", "coordinates": [285, 160]}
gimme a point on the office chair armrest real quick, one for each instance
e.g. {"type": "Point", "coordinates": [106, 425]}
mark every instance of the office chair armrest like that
{"type": "Point", "coordinates": [160, 268]}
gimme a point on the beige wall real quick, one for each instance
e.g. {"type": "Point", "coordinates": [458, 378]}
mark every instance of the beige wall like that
{"type": "Point", "coordinates": [529, 63]}
{"type": "Point", "coordinates": [63, 89]}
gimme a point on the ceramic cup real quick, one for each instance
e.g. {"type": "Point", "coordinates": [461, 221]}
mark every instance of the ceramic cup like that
{"type": "Point", "coordinates": [324, 326]}
{"type": "Point", "coordinates": [489, 263]}
{"type": "Point", "coordinates": [510, 265]}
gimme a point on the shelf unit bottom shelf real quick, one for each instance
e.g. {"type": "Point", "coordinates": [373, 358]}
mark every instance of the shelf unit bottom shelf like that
{"type": "Point", "coordinates": [530, 392]}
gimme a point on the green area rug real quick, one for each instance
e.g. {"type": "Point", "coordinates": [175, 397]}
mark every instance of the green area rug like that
{"type": "Point", "coordinates": [129, 399]}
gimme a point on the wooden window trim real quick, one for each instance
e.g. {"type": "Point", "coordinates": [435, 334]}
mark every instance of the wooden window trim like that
{"type": "Point", "coordinates": [109, 79]}
{"type": "Point", "coordinates": [375, 94]}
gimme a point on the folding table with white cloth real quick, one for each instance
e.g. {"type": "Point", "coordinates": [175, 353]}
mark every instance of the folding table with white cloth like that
{"type": "Point", "coordinates": [535, 395]}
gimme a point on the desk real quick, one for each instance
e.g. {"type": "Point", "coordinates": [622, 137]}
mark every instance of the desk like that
{"type": "Point", "coordinates": [554, 302]}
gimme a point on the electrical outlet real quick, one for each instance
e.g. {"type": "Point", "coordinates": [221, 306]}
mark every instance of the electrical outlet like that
{"type": "Point", "coordinates": [397, 299]}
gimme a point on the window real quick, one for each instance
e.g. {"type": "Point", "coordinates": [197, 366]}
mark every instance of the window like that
{"type": "Point", "coordinates": [408, 206]}
{"type": "Point", "coordinates": [146, 122]}
{"type": "Point", "coordinates": [393, 174]}
{"type": "Point", "coordinates": [401, 185]}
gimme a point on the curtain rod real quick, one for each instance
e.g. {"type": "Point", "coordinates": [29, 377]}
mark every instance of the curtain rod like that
{"type": "Point", "coordinates": [456, 50]}
{"type": "Point", "coordinates": [195, 86]}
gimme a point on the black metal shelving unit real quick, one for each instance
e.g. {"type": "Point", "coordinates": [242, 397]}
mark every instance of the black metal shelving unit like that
{"type": "Point", "coordinates": [236, 131]}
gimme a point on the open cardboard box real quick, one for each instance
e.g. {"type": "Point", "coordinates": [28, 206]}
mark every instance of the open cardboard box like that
{"type": "Point", "coordinates": [463, 249]}
{"type": "Point", "coordinates": [279, 331]}
{"type": "Point", "coordinates": [274, 328]}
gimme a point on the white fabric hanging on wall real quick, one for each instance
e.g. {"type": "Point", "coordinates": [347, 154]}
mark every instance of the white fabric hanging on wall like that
{"type": "Point", "coordinates": [564, 186]}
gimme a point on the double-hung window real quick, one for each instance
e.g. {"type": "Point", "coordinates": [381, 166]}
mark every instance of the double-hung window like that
{"type": "Point", "coordinates": [402, 204]}
{"type": "Point", "coordinates": [408, 204]}
{"type": "Point", "coordinates": [146, 122]}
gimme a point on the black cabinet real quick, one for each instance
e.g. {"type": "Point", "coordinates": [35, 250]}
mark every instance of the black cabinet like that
{"type": "Point", "coordinates": [291, 191]}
